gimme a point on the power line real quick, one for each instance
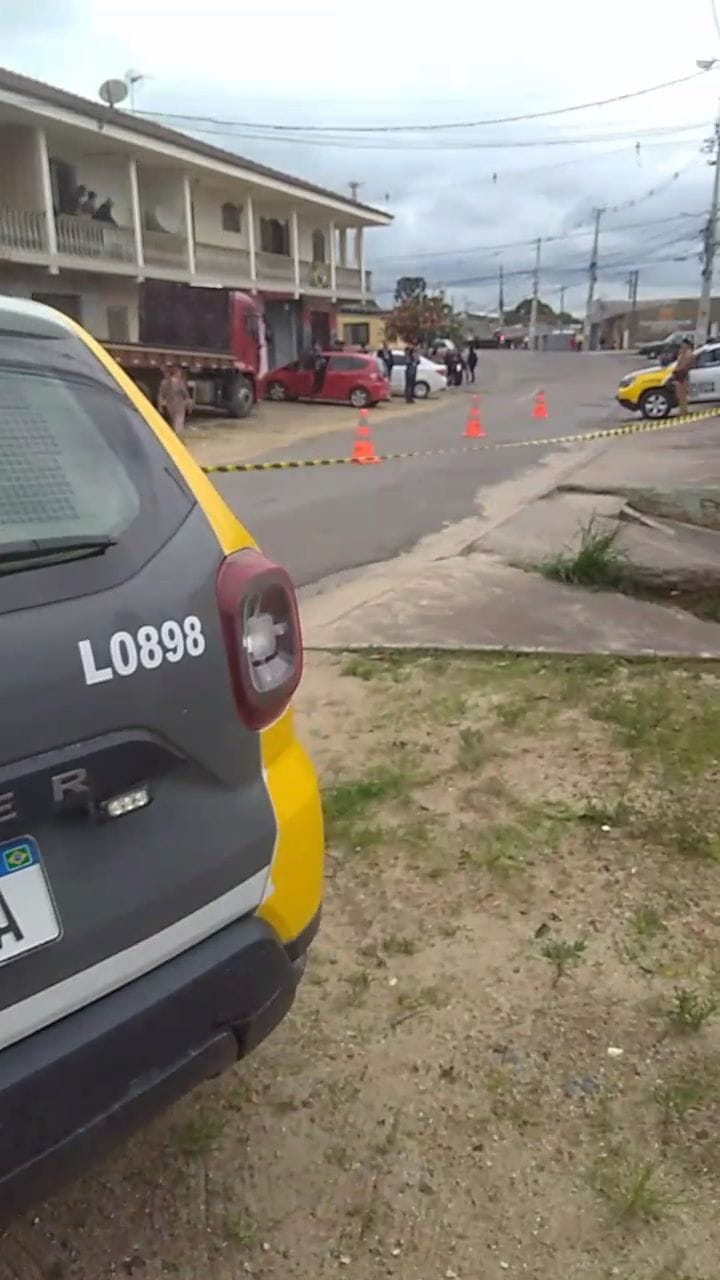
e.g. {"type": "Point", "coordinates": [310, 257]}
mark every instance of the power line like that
{"type": "Point", "coordinates": [337, 139]}
{"type": "Point", "coordinates": [515, 244]}
{"type": "Point", "coordinates": [435, 127]}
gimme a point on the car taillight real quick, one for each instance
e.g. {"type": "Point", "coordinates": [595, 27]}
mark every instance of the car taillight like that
{"type": "Point", "coordinates": [261, 628]}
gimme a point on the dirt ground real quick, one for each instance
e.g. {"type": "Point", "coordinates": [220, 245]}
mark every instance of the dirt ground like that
{"type": "Point", "coordinates": [504, 1059]}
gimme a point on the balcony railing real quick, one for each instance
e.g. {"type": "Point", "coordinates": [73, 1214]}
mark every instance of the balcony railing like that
{"type": "Point", "coordinates": [225, 265]}
{"type": "Point", "coordinates": [275, 266]}
{"type": "Point", "coordinates": [348, 279]}
{"type": "Point", "coordinates": [22, 229]}
{"type": "Point", "coordinates": [86, 238]}
{"type": "Point", "coordinates": [164, 249]}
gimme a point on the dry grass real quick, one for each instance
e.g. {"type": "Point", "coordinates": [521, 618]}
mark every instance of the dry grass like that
{"type": "Point", "coordinates": [504, 1058]}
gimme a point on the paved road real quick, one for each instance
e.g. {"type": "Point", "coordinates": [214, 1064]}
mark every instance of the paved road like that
{"type": "Point", "coordinates": [323, 521]}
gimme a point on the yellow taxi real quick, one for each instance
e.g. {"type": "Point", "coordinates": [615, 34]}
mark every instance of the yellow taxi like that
{"type": "Point", "coordinates": [161, 838]}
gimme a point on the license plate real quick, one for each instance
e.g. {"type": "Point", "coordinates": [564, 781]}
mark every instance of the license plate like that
{"type": "Point", "coordinates": [28, 918]}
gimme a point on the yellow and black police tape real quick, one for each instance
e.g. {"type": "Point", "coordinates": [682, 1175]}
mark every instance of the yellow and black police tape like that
{"type": "Point", "coordinates": [603, 433]}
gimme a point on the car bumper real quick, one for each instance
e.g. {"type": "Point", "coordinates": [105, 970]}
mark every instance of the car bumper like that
{"type": "Point", "coordinates": [627, 404]}
{"type": "Point", "coordinates": [71, 1091]}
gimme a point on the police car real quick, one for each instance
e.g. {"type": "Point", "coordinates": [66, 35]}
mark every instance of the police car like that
{"type": "Point", "coordinates": [651, 391]}
{"type": "Point", "coordinates": [161, 837]}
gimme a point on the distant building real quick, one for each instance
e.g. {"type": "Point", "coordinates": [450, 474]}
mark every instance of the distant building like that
{"type": "Point", "coordinates": [615, 325]}
{"type": "Point", "coordinates": [361, 324]}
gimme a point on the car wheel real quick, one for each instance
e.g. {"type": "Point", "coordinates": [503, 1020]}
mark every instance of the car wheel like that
{"type": "Point", "coordinates": [276, 391]}
{"type": "Point", "coordinates": [656, 404]}
{"type": "Point", "coordinates": [360, 397]}
{"type": "Point", "coordinates": [422, 390]}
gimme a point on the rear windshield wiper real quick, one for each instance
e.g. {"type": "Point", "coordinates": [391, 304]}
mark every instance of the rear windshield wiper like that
{"type": "Point", "coordinates": [30, 549]}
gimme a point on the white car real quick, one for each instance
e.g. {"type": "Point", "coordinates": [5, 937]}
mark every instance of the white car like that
{"type": "Point", "coordinates": [431, 377]}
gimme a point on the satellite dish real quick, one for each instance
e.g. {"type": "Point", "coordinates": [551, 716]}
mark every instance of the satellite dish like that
{"type": "Point", "coordinates": [113, 91]}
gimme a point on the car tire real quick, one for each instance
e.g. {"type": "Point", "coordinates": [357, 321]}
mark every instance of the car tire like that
{"type": "Point", "coordinates": [240, 398]}
{"type": "Point", "coordinates": [276, 391]}
{"type": "Point", "coordinates": [656, 403]}
{"type": "Point", "coordinates": [422, 390]}
{"type": "Point", "coordinates": [359, 398]}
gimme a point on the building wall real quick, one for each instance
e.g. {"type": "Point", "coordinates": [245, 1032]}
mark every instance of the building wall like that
{"type": "Point", "coordinates": [95, 294]}
{"type": "Point", "coordinates": [20, 180]}
{"type": "Point", "coordinates": [162, 194]}
{"type": "Point", "coordinates": [207, 207]}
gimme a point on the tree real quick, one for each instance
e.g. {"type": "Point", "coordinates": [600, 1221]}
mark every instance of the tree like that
{"type": "Point", "coordinates": [419, 317]}
{"type": "Point", "coordinates": [410, 287]}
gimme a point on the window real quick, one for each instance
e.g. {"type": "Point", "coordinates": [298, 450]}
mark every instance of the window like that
{"type": "Point", "coordinates": [356, 335]}
{"type": "Point", "coordinates": [118, 326]}
{"type": "Point", "coordinates": [274, 236]}
{"type": "Point", "coordinates": [318, 246]}
{"type": "Point", "coordinates": [63, 181]}
{"type": "Point", "coordinates": [232, 217]}
{"type": "Point", "coordinates": [344, 364]}
{"type": "Point", "coordinates": [77, 461]}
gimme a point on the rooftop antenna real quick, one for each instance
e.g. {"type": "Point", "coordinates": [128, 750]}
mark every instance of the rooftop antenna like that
{"type": "Point", "coordinates": [132, 78]}
{"type": "Point", "coordinates": [112, 92]}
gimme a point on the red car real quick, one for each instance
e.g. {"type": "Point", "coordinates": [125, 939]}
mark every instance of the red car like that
{"type": "Point", "coordinates": [348, 376]}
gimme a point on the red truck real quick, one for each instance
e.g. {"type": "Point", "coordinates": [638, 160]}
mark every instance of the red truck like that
{"type": "Point", "coordinates": [217, 336]}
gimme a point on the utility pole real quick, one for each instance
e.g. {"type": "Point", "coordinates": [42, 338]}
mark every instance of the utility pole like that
{"type": "Point", "coordinates": [709, 241]}
{"type": "Point", "coordinates": [501, 299]}
{"type": "Point", "coordinates": [563, 287]}
{"type": "Point", "coordinates": [633, 279]}
{"type": "Point", "coordinates": [532, 328]}
{"type": "Point", "coordinates": [592, 277]}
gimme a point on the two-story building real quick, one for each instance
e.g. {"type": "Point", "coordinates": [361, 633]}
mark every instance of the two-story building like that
{"type": "Point", "coordinates": [95, 200]}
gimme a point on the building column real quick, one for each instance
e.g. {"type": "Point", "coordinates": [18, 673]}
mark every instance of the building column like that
{"type": "Point", "coordinates": [333, 262]}
{"type": "Point", "coordinates": [136, 213]}
{"type": "Point", "coordinates": [250, 214]}
{"type": "Point", "coordinates": [43, 164]}
{"type": "Point", "coordinates": [343, 247]}
{"type": "Point", "coordinates": [360, 253]}
{"type": "Point", "coordinates": [295, 250]}
{"type": "Point", "coordinates": [189, 230]}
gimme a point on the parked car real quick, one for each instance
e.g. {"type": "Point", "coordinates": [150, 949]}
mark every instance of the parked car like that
{"type": "Point", "coordinates": [351, 376]}
{"type": "Point", "coordinates": [161, 838]}
{"type": "Point", "coordinates": [431, 376]}
{"type": "Point", "coordinates": [666, 349]}
{"type": "Point", "coordinates": [651, 392]}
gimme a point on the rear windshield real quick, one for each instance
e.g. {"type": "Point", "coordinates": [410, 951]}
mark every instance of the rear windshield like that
{"type": "Point", "coordinates": [77, 460]}
{"type": "Point", "coordinates": [59, 476]}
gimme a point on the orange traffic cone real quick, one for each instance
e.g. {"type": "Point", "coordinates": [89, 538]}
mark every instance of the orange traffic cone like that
{"type": "Point", "coordinates": [364, 449]}
{"type": "Point", "coordinates": [474, 429]}
{"type": "Point", "coordinates": [540, 408]}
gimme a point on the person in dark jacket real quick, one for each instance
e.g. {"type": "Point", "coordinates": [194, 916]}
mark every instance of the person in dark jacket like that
{"type": "Point", "coordinates": [411, 368]}
{"type": "Point", "coordinates": [385, 356]}
{"type": "Point", "coordinates": [459, 369]}
{"type": "Point", "coordinates": [471, 362]}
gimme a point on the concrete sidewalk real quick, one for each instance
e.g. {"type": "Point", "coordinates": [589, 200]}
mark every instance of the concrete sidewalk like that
{"type": "Point", "coordinates": [463, 588]}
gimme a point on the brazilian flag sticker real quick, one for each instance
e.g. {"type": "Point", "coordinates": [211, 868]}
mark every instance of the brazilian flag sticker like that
{"type": "Point", "coordinates": [18, 857]}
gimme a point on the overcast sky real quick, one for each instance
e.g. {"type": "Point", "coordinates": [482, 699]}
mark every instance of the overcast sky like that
{"type": "Point", "coordinates": [334, 64]}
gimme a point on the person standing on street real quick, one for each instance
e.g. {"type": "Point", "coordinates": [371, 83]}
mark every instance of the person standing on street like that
{"type": "Point", "coordinates": [411, 368]}
{"type": "Point", "coordinates": [385, 356]}
{"type": "Point", "coordinates": [471, 362]}
{"type": "Point", "coordinates": [174, 398]}
{"type": "Point", "coordinates": [683, 365]}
